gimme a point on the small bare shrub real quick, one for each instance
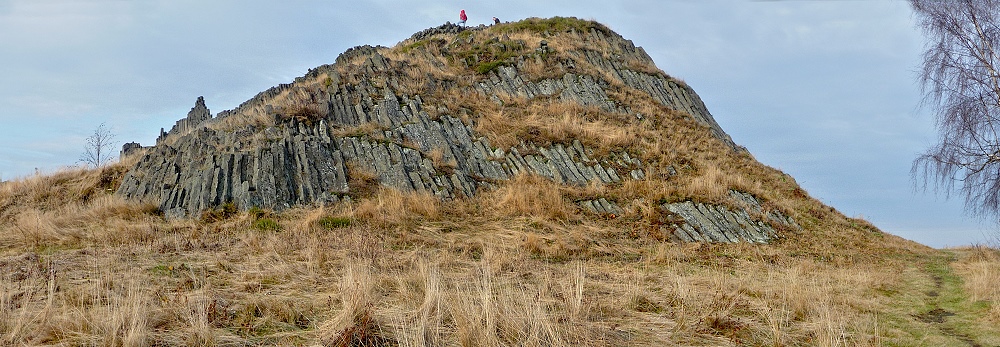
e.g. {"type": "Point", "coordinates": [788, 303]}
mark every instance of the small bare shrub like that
{"type": "Point", "coordinates": [303, 113]}
{"type": "Point", "coordinates": [362, 181]}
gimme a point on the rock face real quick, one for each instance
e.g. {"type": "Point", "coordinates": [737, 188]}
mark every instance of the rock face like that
{"type": "Point", "coordinates": [198, 115]}
{"type": "Point", "coordinates": [129, 148]}
{"type": "Point", "coordinates": [714, 223]}
{"type": "Point", "coordinates": [303, 164]}
{"type": "Point", "coordinates": [354, 133]}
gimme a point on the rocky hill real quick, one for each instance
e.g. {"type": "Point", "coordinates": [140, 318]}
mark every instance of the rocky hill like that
{"type": "Point", "coordinates": [453, 111]}
{"type": "Point", "coordinates": [525, 184]}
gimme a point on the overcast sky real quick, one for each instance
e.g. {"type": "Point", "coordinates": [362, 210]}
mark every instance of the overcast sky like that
{"type": "Point", "coordinates": [822, 90]}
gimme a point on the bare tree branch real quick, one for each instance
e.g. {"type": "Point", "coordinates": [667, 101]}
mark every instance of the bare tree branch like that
{"type": "Point", "coordinates": [961, 83]}
{"type": "Point", "coordinates": [99, 147]}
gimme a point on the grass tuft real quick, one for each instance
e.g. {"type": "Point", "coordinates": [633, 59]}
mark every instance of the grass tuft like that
{"type": "Point", "coordinates": [266, 224]}
{"type": "Point", "coordinates": [331, 222]}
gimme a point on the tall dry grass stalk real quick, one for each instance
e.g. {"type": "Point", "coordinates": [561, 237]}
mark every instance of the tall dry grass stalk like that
{"type": "Point", "coordinates": [979, 267]}
{"type": "Point", "coordinates": [531, 196]}
{"type": "Point", "coordinates": [430, 324]}
{"type": "Point", "coordinates": [492, 311]}
{"type": "Point", "coordinates": [357, 297]}
{"type": "Point", "coordinates": [109, 309]}
{"type": "Point", "coordinates": [392, 207]}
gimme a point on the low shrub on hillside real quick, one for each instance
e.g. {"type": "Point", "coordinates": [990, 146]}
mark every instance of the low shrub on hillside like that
{"type": "Point", "coordinates": [266, 224]}
{"type": "Point", "coordinates": [332, 222]}
{"type": "Point", "coordinates": [552, 25]}
{"type": "Point", "coordinates": [303, 113]}
{"type": "Point", "coordinates": [221, 213]}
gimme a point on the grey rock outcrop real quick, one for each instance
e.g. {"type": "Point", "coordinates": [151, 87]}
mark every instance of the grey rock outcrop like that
{"type": "Point", "coordinates": [130, 148]}
{"type": "Point", "coordinates": [303, 164]}
{"type": "Point", "coordinates": [198, 115]}
{"type": "Point", "coordinates": [716, 223]}
{"type": "Point", "coordinates": [359, 133]}
{"type": "Point", "coordinates": [447, 28]}
{"type": "Point", "coordinates": [589, 91]}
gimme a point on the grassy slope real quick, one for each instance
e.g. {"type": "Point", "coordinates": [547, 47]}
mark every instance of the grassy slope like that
{"type": "Point", "coordinates": [521, 265]}
{"type": "Point", "coordinates": [83, 269]}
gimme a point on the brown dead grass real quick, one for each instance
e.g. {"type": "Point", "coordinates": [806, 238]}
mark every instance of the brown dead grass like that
{"type": "Point", "coordinates": [979, 267]}
{"type": "Point", "coordinates": [555, 122]}
{"type": "Point", "coordinates": [516, 266]}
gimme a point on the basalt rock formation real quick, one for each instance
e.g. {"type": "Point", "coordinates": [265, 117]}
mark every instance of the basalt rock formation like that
{"type": "Point", "coordinates": [422, 116]}
{"type": "Point", "coordinates": [198, 115]}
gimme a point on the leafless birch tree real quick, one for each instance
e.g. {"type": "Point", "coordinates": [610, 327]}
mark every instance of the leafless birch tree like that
{"type": "Point", "coordinates": [98, 150]}
{"type": "Point", "coordinates": [961, 85]}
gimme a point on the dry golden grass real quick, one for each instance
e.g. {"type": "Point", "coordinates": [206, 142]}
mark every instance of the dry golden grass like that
{"type": "Point", "coordinates": [419, 67]}
{"type": "Point", "coordinates": [348, 68]}
{"type": "Point", "coordinates": [300, 101]}
{"type": "Point", "coordinates": [555, 122]}
{"type": "Point", "coordinates": [516, 266]}
{"type": "Point", "coordinates": [364, 129]}
{"type": "Point", "coordinates": [531, 197]}
{"type": "Point", "coordinates": [979, 266]}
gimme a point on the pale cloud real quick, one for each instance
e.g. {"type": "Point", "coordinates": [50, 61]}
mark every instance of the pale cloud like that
{"type": "Point", "coordinates": [58, 24]}
{"type": "Point", "coordinates": [46, 107]}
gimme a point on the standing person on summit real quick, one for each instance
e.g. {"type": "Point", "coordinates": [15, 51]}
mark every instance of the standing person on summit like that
{"type": "Point", "coordinates": [462, 18]}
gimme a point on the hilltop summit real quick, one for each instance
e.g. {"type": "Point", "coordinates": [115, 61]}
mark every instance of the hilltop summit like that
{"type": "Point", "coordinates": [452, 111]}
{"type": "Point", "coordinates": [538, 183]}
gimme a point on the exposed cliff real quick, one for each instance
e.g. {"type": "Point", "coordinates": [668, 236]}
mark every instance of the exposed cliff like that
{"type": "Point", "coordinates": [452, 111]}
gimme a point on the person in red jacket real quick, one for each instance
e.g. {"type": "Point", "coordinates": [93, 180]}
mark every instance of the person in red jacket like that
{"type": "Point", "coordinates": [462, 18]}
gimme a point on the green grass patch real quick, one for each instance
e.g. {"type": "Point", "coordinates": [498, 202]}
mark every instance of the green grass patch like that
{"type": "Point", "coordinates": [266, 224]}
{"type": "Point", "coordinates": [487, 56]}
{"type": "Point", "coordinates": [161, 270]}
{"type": "Point", "coordinates": [331, 222]}
{"type": "Point", "coordinates": [416, 45]}
{"type": "Point", "coordinates": [552, 25]}
{"type": "Point", "coordinates": [168, 270]}
{"type": "Point", "coordinates": [485, 68]}
{"type": "Point", "coordinates": [421, 44]}
{"type": "Point", "coordinates": [932, 309]}
{"type": "Point", "coordinates": [962, 318]}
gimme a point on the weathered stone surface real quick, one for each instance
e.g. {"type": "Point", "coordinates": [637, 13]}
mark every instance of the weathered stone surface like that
{"type": "Point", "coordinates": [601, 206]}
{"type": "Point", "coordinates": [298, 163]}
{"type": "Point", "coordinates": [369, 132]}
{"type": "Point", "coordinates": [716, 223]}
{"type": "Point", "coordinates": [447, 28]}
{"type": "Point", "coordinates": [130, 148]}
{"type": "Point", "coordinates": [198, 115]}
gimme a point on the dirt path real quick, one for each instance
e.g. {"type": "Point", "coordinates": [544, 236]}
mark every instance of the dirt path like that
{"type": "Point", "coordinates": [939, 316]}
